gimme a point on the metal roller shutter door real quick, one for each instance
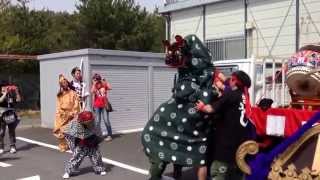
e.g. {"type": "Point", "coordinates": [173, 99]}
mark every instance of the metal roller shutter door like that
{"type": "Point", "coordinates": [162, 84]}
{"type": "Point", "coordinates": [129, 95]}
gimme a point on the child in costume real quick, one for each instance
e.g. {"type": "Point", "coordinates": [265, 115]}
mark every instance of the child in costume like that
{"type": "Point", "coordinates": [66, 109]}
{"type": "Point", "coordinates": [83, 141]}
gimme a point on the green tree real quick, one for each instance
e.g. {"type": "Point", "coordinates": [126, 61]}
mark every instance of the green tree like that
{"type": "Point", "coordinates": [4, 4]}
{"type": "Point", "coordinates": [118, 24]}
{"type": "Point", "coordinates": [36, 32]}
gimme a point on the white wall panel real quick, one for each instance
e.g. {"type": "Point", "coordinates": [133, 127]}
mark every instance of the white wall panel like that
{"type": "Point", "coordinates": [188, 21]}
{"type": "Point", "coordinates": [224, 19]}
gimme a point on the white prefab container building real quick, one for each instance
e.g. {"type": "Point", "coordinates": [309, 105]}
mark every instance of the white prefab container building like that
{"type": "Point", "coordinates": [140, 82]}
{"type": "Point", "coordinates": [235, 29]}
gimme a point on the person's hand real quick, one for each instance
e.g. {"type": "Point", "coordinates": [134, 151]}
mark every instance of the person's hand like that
{"type": "Point", "coordinates": [71, 116]}
{"type": "Point", "coordinates": [16, 89]}
{"type": "Point", "coordinates": [200, 106]}
{"type": "Point", "coordinates": [219, 85]}
{"type": "Point", "coordinates": [4, 91]}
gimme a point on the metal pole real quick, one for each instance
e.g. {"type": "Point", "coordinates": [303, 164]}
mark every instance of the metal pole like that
{"type": "Point", "coordinates": [204, 23]}
{"type": "Point", "coordinates": [273, 95]}
{"type": "Point", "coordinates": [283, 82]}
{"type": "Point", "coordinates": [297, 25]}
{"type": "Point", "coordinates": [264, 77]}
{"type": "Point", "coordinates": [245, 28]}
{"type": "Point", "coordinates": [168, 26]}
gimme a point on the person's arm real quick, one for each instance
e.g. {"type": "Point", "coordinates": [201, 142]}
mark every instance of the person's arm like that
{"type": "Point", "coordinates": [3, 97]}
{"type": "Point", "coordinates": [93, 88]}
{"type": "Point", "coordinates": [57, 120]}
{"type": "Point", "coordinates": [109, 86]}
{"type": "Point", "coordinates": [216, 106]}
{"type": "Point", "coordinates": [76, 105]}
{"type": "Point", "coordinates": [18, 99]}
{"type": "Point", "coordinates": [207, 108]}
{"type": "Point", "coordinates": [103, 91]}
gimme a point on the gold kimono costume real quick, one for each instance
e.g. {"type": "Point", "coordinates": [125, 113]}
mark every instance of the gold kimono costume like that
{"type": "Point", "coordinates": [67, 107]}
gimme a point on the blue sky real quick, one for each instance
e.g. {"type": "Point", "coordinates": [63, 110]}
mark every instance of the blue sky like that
{"type": "Point", "coordinates": [69, 5]}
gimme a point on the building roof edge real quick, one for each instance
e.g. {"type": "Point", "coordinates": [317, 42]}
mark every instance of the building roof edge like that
{"type": "Point", "coordinates": [185, 5]}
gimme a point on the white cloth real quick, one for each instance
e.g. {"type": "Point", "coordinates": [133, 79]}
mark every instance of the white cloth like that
{"type": "Point", "coordinates": [275, 125]}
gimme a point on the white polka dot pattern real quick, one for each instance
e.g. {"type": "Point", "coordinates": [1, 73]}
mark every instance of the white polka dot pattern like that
{"type": "Point", "coordinates": [189, 148]}
{"type": "Point", "coordinates": [156, 118]}
{"type": "Point", "coordinates": [173, 115]}
{"type": "Point", "coordinates": [184, 120]}
{"type": "Point", "coordinates": [173, 158]}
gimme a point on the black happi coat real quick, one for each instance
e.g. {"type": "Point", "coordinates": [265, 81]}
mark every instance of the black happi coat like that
{"type": "Point", "coordinates": [177, 132]}
{"type": "Point", "coordinates": [232, 128]}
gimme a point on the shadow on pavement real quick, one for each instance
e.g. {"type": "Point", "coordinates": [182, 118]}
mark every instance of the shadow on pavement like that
{"type": "Point", "coordinates": [4, 159]}
{"type": "Point", "coordinates": [89, 169]}
{"type": "Point", "coordinates": [26, 147]}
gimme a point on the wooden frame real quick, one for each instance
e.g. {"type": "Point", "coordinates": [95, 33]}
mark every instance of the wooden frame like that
{"type": "Point", "coordinates": [278, 171]}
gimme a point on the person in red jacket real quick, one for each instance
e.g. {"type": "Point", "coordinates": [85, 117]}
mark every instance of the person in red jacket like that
{"type": "Point", "coordinates": [99, 90]}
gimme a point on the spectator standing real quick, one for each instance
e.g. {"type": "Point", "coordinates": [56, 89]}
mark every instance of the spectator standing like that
{"type": "Point", "coordinates": [8, 98]}
{"type": "Point", "coordinates": [99, 89]}
{"type": "Point", "coordinates": [79, 86]}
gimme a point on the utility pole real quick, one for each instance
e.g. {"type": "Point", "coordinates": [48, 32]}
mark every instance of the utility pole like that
{"type": "Point", "coordinates": [297, 25]}
{"type": "Point", "coordinates": [245, 28]}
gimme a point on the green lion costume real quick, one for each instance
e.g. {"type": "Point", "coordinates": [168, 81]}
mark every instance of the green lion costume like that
{"type": "Point", "coordinates": [177, 132]}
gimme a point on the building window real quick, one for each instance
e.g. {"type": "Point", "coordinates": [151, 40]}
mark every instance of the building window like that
{"type": "Point", "coordinates": [227, 48]}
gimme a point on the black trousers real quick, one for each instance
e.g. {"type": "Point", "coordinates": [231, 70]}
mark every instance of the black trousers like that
{"type": "Point", "coordinates": [12, 133]}
{"type": "Point", "coordinates": [157, 168]}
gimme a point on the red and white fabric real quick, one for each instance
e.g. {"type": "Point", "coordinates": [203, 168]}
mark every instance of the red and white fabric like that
{"type": "Point", "coordinates": [279, 121]}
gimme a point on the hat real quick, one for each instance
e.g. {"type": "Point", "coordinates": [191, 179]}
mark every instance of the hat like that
{"type": "Point", "coordinates": [243, 78]}
{"type": "Point", "coordinates": [74, 70]}
{"type": "Point", "coordinates": [85, 117]}
{"type": "Point", "coordinates": [62, 78]}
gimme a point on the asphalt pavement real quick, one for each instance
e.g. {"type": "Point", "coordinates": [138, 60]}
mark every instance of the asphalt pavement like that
{"type": "Point", "coordinates": [38, 158]}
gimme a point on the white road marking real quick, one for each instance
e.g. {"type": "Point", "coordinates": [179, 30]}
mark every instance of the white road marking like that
{"type": "Point", "coordinates": [130, 131]}
{"type": "Point", "coordinates": [37, 177]}
{"type": "Point", "coordinates": [4, 164]}
{"type": "Point", "coordinates": [105, 160]}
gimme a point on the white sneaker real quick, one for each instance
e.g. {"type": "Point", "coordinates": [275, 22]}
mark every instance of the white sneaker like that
{"type": "Point", "coordinates": [13, 150]}
{"type": "Point", "coordinates": [103, 173]}
{"type": "Point", "coordinates": [66, 176]}
{"type": "Point", "coordinates": [109, 138]}
{"type": "Point", "coordinates": [1, 151]}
